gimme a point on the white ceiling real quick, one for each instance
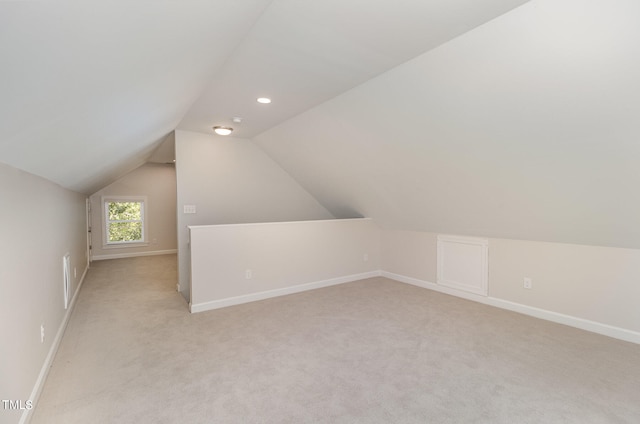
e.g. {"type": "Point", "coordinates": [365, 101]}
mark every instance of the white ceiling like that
{"type": "Point", "coordinates": [500, 118]}
{"type": "Point", "coordinates": [301, 53]}
{"type": "Point", "coordinates": [90, 89]}
{"type": "Point", "coordinates": [526, 128]}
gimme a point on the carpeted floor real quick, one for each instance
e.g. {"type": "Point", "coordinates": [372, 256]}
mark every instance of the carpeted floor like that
{"type": "Point", "coordinates": [372, 351]}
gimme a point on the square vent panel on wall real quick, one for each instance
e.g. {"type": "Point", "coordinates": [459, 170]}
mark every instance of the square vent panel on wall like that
{"type": "Point", "coordinates": [463, 263]}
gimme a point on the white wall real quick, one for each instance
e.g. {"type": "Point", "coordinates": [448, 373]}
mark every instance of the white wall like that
{"type": "Point", "coordinates": [283, 258]}
{"type": "Point", "coordinates": [410, 253]}
{"type": "Point", "coordinates": [39, 223]}
{"type": "Point", "coordinates": [599, 285]}
{"type": "Point", "coordinates": [590, 287]}
{"type": "Point", "coordinates": [231, 180]}
{"type": "Point", "coordinates": [158, 183]}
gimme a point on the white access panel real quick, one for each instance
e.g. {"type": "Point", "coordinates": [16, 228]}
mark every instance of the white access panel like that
{"type": "Point", "coordinates": [463, 263]}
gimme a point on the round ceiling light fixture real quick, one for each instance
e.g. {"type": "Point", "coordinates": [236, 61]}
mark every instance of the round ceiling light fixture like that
{"type": "Point", "coordinates": [264, 100]}
{"type": "Point", "coordinates": [222, 130]}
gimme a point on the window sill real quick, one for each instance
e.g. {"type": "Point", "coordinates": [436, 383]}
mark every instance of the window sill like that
{"type": "Point", "coordinates": [124, 245]}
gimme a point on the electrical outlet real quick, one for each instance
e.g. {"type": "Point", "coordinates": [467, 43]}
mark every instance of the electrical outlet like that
{"type": "Point", "coordinates": [41, 333]}
{"type": "Point", "coordinates": [527, 283]}
{"type": "Point", "coordinates": [248, 274]}
{"type": "Point", "coordinates": [365, 257]}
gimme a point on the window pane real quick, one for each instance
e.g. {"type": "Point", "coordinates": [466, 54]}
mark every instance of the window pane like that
{"type": "Point", "coordinates": [121, 211]}
{"type": "Point", "coordinates": [125, 231]}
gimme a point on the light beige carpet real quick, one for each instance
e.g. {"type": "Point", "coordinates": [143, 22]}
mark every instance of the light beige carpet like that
{"type": "Point", "coordinates": [372, 351]}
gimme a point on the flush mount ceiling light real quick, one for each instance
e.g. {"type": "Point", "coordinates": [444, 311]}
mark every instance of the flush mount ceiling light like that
{"type": "Point", "coordinates": [264, 100]}
{"type": "Point", "coordinates": [222, 130]}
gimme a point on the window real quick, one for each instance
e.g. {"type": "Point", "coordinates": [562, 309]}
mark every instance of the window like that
{"type": "Point", "coordinates": [124, 220]}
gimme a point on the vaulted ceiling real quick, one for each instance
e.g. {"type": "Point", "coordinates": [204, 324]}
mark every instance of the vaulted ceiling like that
{"type": "Point", "coordinates": [527, 127]}
{"type": "Point", "coordinates": [90, 89]}
{"type": "Point", "coordinates": [502, 118]}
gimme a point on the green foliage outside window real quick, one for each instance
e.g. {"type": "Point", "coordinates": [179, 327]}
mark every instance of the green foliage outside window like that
{"type": "Point", "coordinates": [124, 221]}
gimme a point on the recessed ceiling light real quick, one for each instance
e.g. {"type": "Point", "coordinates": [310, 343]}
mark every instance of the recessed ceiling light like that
{"type": "Point", "coordinates": [264, 100]}
{"type": "Point", "coordinates": [222, 130]}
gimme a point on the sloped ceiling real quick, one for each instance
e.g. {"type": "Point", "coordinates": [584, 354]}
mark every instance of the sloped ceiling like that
{"type": "Point", "coordinates": [301, 53]}
{"type": "Point", "coordinates": [526, 127]}
{"type": "Point", "coordinates": [90, 89]}
{"type": "Point", "coordinates": [500, 118]}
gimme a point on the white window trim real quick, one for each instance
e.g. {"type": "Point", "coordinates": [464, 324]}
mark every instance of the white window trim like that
{"type": "Point", "coordinates": [124, 244]}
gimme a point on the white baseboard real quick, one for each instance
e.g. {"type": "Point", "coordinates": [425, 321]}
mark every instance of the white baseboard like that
{"type": "Point", "coordinates": [237, 300]}
{"type": "Point", "coordinates": [46, 366]}
{"type": "Point", "coordinates": [133, 255]}
{"type": "Point", "coordinates": [583, 324]}
{"type": "Point", "coordinates": [435, 287]}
